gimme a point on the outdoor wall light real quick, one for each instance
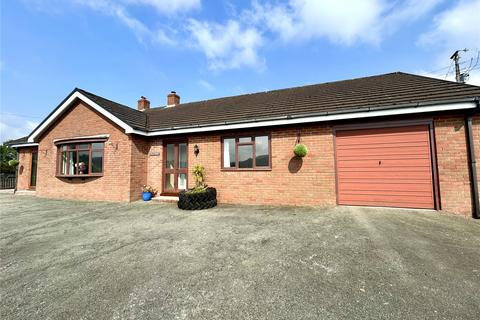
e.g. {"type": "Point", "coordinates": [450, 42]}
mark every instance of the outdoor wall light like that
{"type": "Point", "coordinates": [196, 150]}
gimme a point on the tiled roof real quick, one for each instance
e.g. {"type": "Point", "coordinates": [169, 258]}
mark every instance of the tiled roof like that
{"type": "Point", "coordinates": [21, 140]}
{"type": "Point", "coordinates": [393, 90]}
{"type": "Point", "coordinates": [134, 118]}
{"type": "Point", "coordinates": [388, 90]}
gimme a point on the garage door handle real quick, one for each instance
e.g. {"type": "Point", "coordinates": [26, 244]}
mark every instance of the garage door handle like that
{"type": "Point", "coordinates": [380, 162]}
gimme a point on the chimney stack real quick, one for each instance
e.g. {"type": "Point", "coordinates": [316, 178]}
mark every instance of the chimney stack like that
{"type": "Point", "coordinates": [173, 99]}
{"type": "Point", "coordinates": [143, 104]}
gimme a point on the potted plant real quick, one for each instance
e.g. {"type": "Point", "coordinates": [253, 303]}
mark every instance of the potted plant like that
{"type": "Point", "coordinates": [200, 197]}
{"type": "Point", "coordinates": [148, 192]}
{"type": "Point", "coordinates": [300, 150]}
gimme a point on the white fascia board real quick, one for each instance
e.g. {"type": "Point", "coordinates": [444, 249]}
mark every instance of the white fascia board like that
{"type": "Point", "coordinates": [67, 104]}
{"type": "Point", "coordinates": [98, 136]}
{"type": "Point", "coordinates": [333, 117]}
{"type": "Point", "coordinates": [24, 145]}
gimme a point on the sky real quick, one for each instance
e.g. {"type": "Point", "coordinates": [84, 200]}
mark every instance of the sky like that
{"type": "Point", "coordinates": [202, 49]}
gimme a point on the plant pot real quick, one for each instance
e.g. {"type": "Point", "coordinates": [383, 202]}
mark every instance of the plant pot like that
{"type": "Point", "coordinates": [147, 196]}
{"type": "Point", "coordinates": [197, 201]}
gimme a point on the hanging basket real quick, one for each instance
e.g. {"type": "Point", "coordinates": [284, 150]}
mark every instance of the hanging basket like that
{"type": "Point", "coordinates": [300, 150]}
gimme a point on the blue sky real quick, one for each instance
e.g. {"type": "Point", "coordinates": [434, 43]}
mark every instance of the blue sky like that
{"type": "Point", "coordinates": [205, 49]}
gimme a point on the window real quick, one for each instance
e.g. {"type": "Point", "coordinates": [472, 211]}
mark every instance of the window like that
{"type": "Point", "coordinates": [80, 159]}
{"type": "Point", "coordinates": [246, 153]}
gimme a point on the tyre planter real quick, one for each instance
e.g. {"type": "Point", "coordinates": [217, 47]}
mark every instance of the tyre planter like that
{"type": "Point", "coordinates": [146, 196]}
{"type": "Point", "coordinates": [197, 201]}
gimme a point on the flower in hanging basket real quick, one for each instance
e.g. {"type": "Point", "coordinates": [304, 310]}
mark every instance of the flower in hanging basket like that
{"type": "Point", "coordinates": [300, 150]}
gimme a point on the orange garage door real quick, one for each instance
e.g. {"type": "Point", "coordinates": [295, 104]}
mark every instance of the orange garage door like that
{"type": "Point", "coordinates": [389, 167]}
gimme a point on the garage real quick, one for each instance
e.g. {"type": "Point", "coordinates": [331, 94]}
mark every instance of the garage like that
{"type": "Point", "coordinates": [386, 166]}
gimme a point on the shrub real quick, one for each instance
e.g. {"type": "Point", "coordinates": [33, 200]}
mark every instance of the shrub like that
{"type": "Point", "coordinates": [13, 163]}
{"type": "Point", "coordinates": [199, 175]}
{"type": "Point", "coordinates": [300, 150]}
{"type": "Point", "coordinates": [197, 190]}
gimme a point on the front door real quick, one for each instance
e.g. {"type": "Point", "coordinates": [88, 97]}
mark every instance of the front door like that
{"type": "Point", "coordinates": [175, 164]}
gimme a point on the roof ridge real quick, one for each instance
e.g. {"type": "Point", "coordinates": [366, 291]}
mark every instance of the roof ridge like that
{"type": "Point", "coordinates": [437, 79]}
{"type": "Point", "coordinates": [280, 90]}
{"type": "Point", "coordinates": [101, 97]}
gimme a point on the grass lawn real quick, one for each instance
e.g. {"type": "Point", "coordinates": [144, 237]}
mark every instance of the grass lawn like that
{"type": "Point", "coordinates": [94, 260]}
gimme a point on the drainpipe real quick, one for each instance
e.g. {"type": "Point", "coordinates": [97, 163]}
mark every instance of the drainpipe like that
{"type": "Point", "coordinates": [16, 171]}
{"type": "Point", "coordinates": [472, 164]}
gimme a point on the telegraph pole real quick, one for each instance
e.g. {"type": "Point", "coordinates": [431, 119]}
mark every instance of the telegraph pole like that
{"type": "Point", "coordinates": [456, 58]}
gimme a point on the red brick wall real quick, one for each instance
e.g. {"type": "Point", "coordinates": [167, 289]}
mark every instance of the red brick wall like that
{"type": "Point", "coordinates": [139, 166]}
{"type": "Point", "coordinates": [132, 161]}
{"type": "Point", "coordinates": [155, 164]}
{"type": "Point", "coordinates": [115, 184]}
{"type": "Point", "coordinates": [312, 184]}
{"type": "Point", "coordinates": [24, 168]}
{"type": "Point", "coordinates": [452, 163]}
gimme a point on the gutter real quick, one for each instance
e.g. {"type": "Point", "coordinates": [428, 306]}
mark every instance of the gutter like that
{"type": "Point", "coordinates": [472, 163]}
{"type": "Point", "coordinates": [24, 145]}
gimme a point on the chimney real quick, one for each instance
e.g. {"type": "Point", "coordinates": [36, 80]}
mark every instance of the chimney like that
{"type": "Point", "coordinates": [173, 99]}
{"type": "Point", "coordinates": [143, 104]}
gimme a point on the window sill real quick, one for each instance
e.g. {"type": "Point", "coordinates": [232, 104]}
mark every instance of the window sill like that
{"type": "Point", "coordinates": [246, 169]}
{"type": "Point", "coordinates": [80, 176]}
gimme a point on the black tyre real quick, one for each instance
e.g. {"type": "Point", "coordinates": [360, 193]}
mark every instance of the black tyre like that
{"type": "Point", "coordinates": [197, 201]}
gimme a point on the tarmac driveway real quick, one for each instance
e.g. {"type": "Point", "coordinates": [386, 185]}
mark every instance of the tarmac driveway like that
{"type": "Point", "coordinates": [86, 260]}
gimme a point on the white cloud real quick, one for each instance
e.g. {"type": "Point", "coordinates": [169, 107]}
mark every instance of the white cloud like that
{"type": "Point", "coordinates": [340, 21]}
{"type": "Point", "coordinates": [14, 127]}
{"type": "Point", "coordinates": [474, 78]}
{"type": "Point", "coordinates": [407, 11]}
{"type": "Point", "coordinates": [168, 7]}
{"type": "Point", "coordinates": [227, 46]}
{"type": "Point", "coordinates": [141, 31]}
{"type": "Point", "coordinates": [454, 29]}
{"type": "Point", "coordinates": [455, 25]}
{"type": "Point", "coordinates": [206, 85]}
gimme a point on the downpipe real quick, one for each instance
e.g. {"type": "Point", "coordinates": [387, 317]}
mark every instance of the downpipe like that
{"type": "Point", "coordinates": [472, 164]}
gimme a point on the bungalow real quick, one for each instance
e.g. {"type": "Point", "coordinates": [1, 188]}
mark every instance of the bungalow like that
{"type": "Point", "coordinates": [393, 140]}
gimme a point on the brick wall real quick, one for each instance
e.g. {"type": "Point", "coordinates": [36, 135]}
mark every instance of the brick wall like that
{"type": "Point", "coordinates": [452, 163]}
{"type": "Point", "coordinates": [81, 120]}
{"type": "Point", "coordinates": [155, 164]}
{"type": "Point", "coordinates": [139, 166]}
{"type": "Point", "coordinates": [131, 161]}
{"type": "Point", "coordinates": [289, 182]}
{"type": "Point", "coordinates": [24, 168]}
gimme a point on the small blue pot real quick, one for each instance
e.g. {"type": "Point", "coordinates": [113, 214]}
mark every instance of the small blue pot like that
{"type": "Point", "coordinates": [146, 196]}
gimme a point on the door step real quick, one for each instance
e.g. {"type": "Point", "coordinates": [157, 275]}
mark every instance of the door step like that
{"type": "Point", "coordinates": [165, 199]}
{"type": "Point", "coordinates": [25, 193]}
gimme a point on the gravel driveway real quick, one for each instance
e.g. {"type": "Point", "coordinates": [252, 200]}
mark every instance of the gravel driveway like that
{"type": "Point", "coordinates": [91, 260]}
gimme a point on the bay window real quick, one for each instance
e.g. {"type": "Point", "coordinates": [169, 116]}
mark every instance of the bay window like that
{"type": "Point", "coordinates": [246, 153]}
{"type": "Point", "coordinates": [80, 159]}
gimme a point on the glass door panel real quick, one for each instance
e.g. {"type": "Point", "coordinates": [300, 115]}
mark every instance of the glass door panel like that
{"type": "Point", "coordinates": [170, 182]}
{"type": "Point", "coordinates": [33, 173]}
{"type": "Point", "coordinates": [175, 167]}
{"type": "Point", "coordinates": [170, 158]}
{"type": "Point", "coordinates": [182, 154]}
